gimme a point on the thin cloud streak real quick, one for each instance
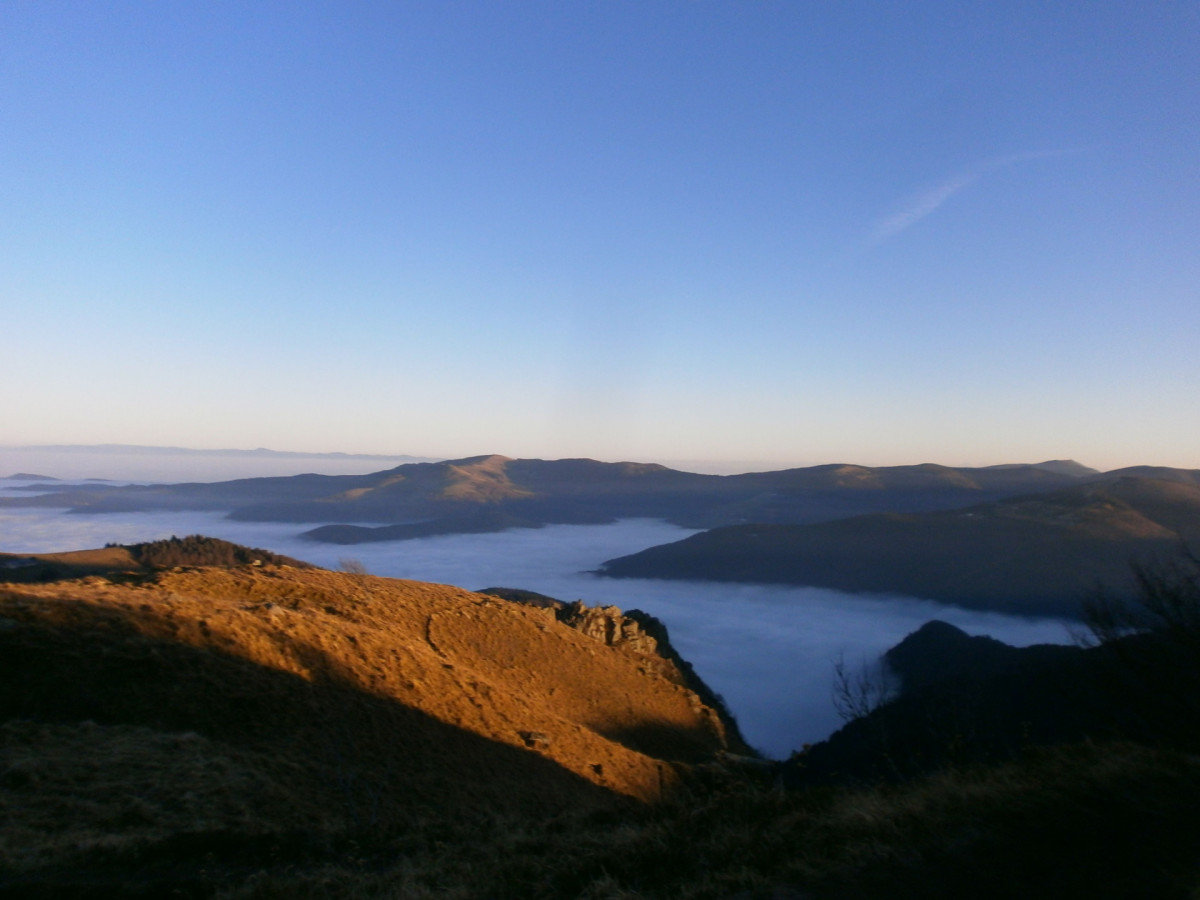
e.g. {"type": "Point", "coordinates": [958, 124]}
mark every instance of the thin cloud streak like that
{"type": "Point", "coordinates": [922, 205]}
{"type": "Point", "coordinates": [930, 200]}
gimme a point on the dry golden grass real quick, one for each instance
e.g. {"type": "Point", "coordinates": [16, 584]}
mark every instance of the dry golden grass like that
{"type": "Point", "coordinates": [484, 481]}
{"type": "Point", "coordinates": [267, 700]}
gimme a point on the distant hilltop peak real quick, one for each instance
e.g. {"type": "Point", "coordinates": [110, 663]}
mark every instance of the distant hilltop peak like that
{"type": "Point", "coordinates": [485, 459]}
{"type": "Point", "coordinates": [1067, 467]}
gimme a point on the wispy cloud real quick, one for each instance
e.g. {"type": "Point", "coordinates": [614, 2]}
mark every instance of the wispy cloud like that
{"type": "Point", "coordinates": [922, 205]}
{"type": "Point", "coordinates": [927, 201]}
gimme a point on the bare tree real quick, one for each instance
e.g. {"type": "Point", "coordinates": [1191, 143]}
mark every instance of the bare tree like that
{"type": "Point", "coordinates": [1167, 603]}
{"type": "Point", "coordinates": [1153, 641]}
{"type": "Point", "coordinates": [352, 566]}
{"type": "Point", "coordinates": [860, 692]}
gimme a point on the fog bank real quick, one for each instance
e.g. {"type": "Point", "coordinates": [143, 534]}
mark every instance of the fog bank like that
{"type": "Point", "coordinates": [119, 462]}
{"type": "Point", "coordinates": [768, 650]}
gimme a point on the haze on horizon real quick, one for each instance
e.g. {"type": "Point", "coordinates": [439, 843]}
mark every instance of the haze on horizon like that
{"type": "Point", "coordinates": [752, 235]}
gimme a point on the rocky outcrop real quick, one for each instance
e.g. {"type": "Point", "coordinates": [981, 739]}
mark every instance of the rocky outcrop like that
{"type": "Point", "coordinates": [641, 635]}
{"type": "Point", "coordinates": [610, 626]}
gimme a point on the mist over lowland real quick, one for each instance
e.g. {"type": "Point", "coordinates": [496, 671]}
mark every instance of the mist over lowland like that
{"type": "Point", "coordinates": [205, 697]}
{"type": "Point", "coordinates": [1021, 538]}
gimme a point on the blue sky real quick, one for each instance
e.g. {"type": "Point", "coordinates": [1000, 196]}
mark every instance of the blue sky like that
{"type": "Point", "coordinates": [758, 232]}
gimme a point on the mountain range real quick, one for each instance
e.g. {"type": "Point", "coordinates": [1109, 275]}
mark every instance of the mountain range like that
{"type": "Point", "coordinates": [496, 492]}
{"type": "Point", "coordinates": [1027, 538]}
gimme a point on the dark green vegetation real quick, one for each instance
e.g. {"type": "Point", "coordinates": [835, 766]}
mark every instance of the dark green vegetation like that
{"type": "Point", "coordinates": [133, 561]}
{"type": "Point", "coordinates": [1115, 821]}
{"type": "Point", "coordinates": [199, 550]}
{"type": "Point", "coordinates": [1039, 554]}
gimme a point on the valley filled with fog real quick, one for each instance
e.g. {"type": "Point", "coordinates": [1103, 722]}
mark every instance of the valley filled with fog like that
{"type": "Point", "coordinates": [769, 651]}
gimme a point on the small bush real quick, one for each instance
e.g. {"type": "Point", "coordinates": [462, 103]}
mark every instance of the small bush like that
{"type": "Point", "coordinates": [198, 550]}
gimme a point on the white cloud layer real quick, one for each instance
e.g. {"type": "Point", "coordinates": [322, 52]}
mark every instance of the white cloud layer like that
{"type": "Point", "coordinates": [768, 650]}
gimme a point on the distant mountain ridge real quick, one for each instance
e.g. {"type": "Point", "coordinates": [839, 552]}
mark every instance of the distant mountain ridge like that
{"type": "Point", "coordinates": [1059, 466]}
{"type": "Point", "coordinates": [1033, 554]}
{"type": "Point", "coordinates": [489, 493]}
{"type": "Point", "coordinates": [1023, 538]}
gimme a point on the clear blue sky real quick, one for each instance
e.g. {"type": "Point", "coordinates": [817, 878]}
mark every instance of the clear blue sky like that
{"type": "Point", "coordinates": [754, 231]}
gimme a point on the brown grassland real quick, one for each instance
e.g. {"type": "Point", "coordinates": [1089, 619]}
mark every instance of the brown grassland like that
{"type": "Point", "coordinates": [263, 730]}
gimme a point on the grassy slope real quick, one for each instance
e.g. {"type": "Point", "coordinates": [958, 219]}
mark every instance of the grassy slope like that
{"type": "Point", "coordinates": [266, 732]}
{"type": "Point", "coordinates": [273, 706]}
{"type": "Point", "coordinates": [1112, 821]}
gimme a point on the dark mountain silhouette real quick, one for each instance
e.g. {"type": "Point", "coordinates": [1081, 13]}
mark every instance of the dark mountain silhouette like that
{"type": "Point", "coordinates": [1159, 473]}
{"type": "Point", "coordinates": [193, 550]}
{"type": "Point", "coordinates": [1035, 554]}
{"type": "Point", "coordinates": [969, 700]}
{"type": "Point", "coordinates": [1058, 466]}
{"type": "Point", "coordinates": [489, 493]}
{"type": "Point", "coordinates": [960, 699]}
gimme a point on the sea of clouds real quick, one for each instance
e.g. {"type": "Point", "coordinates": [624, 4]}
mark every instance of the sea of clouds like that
{"type": "Point", "coordinates": [768, 650]}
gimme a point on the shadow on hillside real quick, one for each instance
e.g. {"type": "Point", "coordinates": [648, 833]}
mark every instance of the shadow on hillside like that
{"type": "Point", "coordinates": [31, 570]}
{"type": "Point", "coordinates": [663, 740]}
{"type": "Point", "coordinates": [308, 757]}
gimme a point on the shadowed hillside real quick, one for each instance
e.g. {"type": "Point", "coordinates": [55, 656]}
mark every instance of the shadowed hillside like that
{"type": "Point", "coordinates": [960, 699]}
{"type": "Point", "coordinates": [1038, 554]}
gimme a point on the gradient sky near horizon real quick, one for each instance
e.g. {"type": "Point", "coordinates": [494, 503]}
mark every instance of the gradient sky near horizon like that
{"type": "Point", "coordinates": [792, 233]}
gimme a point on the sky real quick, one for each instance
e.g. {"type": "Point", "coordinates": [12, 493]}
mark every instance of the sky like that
{"type": "Point", "coordinates": [758, 231]}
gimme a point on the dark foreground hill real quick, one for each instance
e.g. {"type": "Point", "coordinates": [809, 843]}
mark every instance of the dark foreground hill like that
{"type": "Point", "coordinates": [490, 493]}
{"type": "Point", "coordinates": [265, 731]}
{"type": "Point", "coordinates": [1039, 554]}
{"type": "Point", "coordinates": [943, 698]}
